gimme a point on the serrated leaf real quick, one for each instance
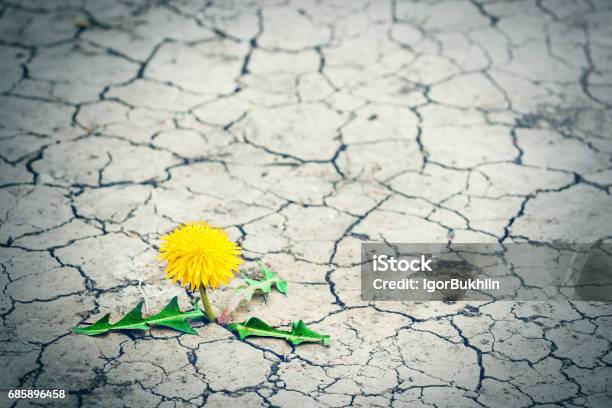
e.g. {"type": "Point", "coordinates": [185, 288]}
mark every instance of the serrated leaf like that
{"type": "Point", "coordinates": [245, 293]}
{"type": "Point", "coordinates": [101, 326]}
{"type": "Point", "coordinates": [302, 334]}
{"type": "Point", "coordinates": [170, 316]}
{"type": "Point", "coordinates": [132, 320]}
{"type": "Point", "coordinates": [299, 333]}
{"type": "Point", "coordinates": [269, 276]}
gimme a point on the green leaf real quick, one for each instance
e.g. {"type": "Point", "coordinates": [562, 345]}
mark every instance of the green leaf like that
{"type": "Point", "coordinates": [170, 316]}
{"type": "Point", "coordinates": [265, 285]}
{"type": "Point", "coordinates": [269, 276]}
{"type": "Point", "coordinates": [132, 320]}
{"type": "Point", "coordinates": [299, 333]}
{"type": "Point", "coordinates": [302, 334]}
{"type": "Point", "coordinates": [246, 292]}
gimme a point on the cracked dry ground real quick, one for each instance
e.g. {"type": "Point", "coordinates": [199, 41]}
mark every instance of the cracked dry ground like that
{"type": "Point", "coordinates": [303, 128]}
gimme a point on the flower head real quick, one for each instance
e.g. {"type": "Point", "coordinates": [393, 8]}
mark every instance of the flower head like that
{"type": "Point", "coordinates": [199, 254]}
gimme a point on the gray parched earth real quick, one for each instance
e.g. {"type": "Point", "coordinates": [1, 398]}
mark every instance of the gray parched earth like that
{"type": "Point", "coordinates": [303, 128]}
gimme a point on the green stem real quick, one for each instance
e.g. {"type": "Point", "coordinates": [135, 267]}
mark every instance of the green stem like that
{"type": "Point", "coordinates": [206, 304]}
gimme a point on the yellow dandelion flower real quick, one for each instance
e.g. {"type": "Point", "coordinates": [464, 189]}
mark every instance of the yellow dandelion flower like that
{"type": "Point", "coordinates": [200, 254]}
